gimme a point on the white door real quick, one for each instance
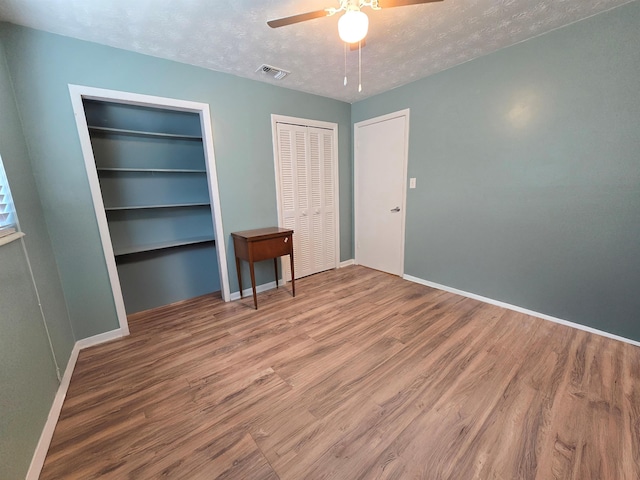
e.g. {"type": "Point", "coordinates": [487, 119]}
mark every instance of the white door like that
{"type": "Point", "coordinates": [381, 147]}
{"type": "Point", "coordinates": [307, 171]}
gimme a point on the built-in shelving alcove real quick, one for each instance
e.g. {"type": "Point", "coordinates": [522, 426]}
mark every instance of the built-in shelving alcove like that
{"type": "Point", "coordinates": [153, 180]}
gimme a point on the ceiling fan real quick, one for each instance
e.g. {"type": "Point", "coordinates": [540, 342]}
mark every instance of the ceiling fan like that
{"type": "Point", "coordinates": [354, 23]}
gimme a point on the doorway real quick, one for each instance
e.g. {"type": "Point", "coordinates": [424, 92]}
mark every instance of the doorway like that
{"type": "Point", "coordinates": [306, 167]}
{"type": "Point", "coordinates": [122, 235]}
{"type": "Point", "coordinates": [380, 164]}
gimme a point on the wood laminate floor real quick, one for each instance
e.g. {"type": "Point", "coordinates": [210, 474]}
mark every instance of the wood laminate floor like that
{"type": "Point", "coordinates": [361, 376]}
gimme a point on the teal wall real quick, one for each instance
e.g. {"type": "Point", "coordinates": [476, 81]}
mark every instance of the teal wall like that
{"type": "Point", "coordinates": [528, 185]}
{"type": "Point", "coordinates": [42, 65]}
{"type": "Point", "coordinates": [528, 169]}
{"type": "Point", "coordinates": [28, 375]}
{"type": "Point", "coordinates": [28, 379]}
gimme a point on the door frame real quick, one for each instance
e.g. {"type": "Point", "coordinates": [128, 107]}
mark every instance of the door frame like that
{"type": "Point", "coordinates": [80, 92]}
{"type": "Point", "coordinates": [357, 164]}
{"type": "Point", "coordinates": [275, 119]}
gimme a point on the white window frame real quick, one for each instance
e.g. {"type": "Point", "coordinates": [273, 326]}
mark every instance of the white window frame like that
{"type": "Point", "coordinates": [9, 227]}
{"type": "Point", "coordinates": [6, 207]}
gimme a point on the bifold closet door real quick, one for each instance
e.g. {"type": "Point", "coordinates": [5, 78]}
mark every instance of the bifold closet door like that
{"type": "Point", "coordinates": [308, 195]}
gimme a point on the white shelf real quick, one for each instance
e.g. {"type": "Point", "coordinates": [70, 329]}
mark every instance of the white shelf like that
{"type": "Point", "coordinates": [161, 170]}
{"type": "Point", "coordinates": [122, 131]}
{"type": "Point", "coordinates": [172, 205]}
{"type": "Point", "coordinates": [163, 245]}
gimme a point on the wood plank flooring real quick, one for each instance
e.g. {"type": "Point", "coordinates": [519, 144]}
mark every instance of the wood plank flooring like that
{"type": "Point", "coordinates": [361, 376]}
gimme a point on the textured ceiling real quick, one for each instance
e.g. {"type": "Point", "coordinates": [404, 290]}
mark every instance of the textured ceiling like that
{"type": "Point", "coordinates": [403, 44]}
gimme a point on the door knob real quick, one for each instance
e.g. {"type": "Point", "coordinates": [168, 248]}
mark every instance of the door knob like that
{"type": "Point", "coordinates": [395, 210]}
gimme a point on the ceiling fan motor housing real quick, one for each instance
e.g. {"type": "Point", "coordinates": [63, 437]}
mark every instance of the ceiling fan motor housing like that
{"type": "Point", "coordinates": [353, 25]}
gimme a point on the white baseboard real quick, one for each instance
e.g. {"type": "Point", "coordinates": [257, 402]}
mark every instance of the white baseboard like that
{"type": "Point", "coordinates": [100, 338]}
{"type": "Point", "coordinates": [37, 461]}
{"type": "Point", "coordinates": [248, 292]}
{"type": "Point", "coordinates": [347, 263]}
{"type": "Point", "coordinates": [520, 309]}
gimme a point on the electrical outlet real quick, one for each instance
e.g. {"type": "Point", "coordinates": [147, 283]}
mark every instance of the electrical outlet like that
{"type": "Point", "coordinates": [412, 183]}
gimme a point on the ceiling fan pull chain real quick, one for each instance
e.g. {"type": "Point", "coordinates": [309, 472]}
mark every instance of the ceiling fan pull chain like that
{"type": "Point", "coordinates": [360, 66]}
{"type": "Point", "coordinates": [345, 64]}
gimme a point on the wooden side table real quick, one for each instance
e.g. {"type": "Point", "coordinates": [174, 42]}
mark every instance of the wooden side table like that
{"type": "Point", "coordinates": [263, 244]}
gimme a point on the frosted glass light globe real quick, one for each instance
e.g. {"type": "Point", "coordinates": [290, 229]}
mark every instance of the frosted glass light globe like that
{"type": "Point", "coordinates": [353, 26]}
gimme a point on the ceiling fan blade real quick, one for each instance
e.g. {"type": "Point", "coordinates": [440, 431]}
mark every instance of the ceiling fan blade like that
{"type": "Point", "coordinates": [402, 3]}
{"type": "Point", "coordinates": [303, 17]}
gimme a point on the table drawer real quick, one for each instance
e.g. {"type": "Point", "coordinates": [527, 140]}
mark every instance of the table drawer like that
{"type": "Point", "coordinates": [271, 248]}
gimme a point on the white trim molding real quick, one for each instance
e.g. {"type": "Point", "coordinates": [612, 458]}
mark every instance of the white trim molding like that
{"type": "Point", "coordinates": [77, 94]}
{"type": "Point", "coordinates": [40, 454]}
{"type": "Point", "coordinates": [101, 338]}
{"type": "Point", "coordinates": [516, 308]}
{"type": "Point", "coordinates": [37, 461]}
{"type": "Point", "coordinates": [347, 263]}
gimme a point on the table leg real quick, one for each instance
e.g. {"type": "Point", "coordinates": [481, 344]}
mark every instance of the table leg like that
{"type": "Point", "coordinates": [238, 270]}
{"type": "Point", "coordinates": [293, 275]}
{"type": "Point", "coordinates": [275, 265]}
{"type": "Point", "coordinates": [253, 284]}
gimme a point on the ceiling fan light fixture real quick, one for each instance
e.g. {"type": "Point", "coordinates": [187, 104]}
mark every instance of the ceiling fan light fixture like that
{"type": "Point", "coordinates": [353, 26]}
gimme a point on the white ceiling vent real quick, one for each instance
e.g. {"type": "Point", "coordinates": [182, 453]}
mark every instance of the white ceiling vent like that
{"type": "Point", "coordinates": [277, 73]}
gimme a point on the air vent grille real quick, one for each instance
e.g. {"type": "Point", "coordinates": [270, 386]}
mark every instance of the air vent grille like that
{"type": "Point", "coordinates": [275, 72]}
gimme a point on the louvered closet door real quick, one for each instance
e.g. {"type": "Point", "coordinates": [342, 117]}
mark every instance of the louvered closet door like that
{"type": "Point", "coordinates": [308, 196]}
{"type": "Point", "coordinates": [323, 215]}
{"type": "Point", "coordinates": [294, 185]}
